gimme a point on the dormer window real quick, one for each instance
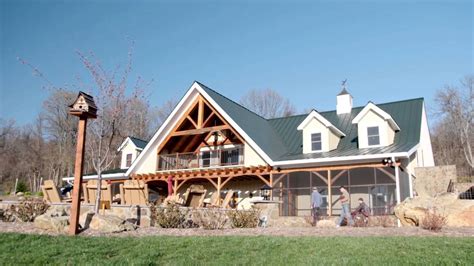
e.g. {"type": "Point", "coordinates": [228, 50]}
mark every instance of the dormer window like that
{"type": "Point", "coordinates": [373, 136]}
{"type": "Point", "coordinates": [316, 144]}
{"type": "Point", "coordinates": [129, 160]}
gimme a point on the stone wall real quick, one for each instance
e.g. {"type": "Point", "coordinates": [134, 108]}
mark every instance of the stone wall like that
{"type": "Point", "coordinates": [142, 213]}
{"type": "Point", "coordinates": [431, 181]}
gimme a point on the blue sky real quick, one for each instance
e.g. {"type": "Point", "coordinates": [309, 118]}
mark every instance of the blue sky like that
{"type": "Point", "coordinates": [388, 50]}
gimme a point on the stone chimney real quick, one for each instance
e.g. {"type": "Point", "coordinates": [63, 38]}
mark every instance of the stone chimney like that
{"type": "Point", "coordinates": [344, 101]}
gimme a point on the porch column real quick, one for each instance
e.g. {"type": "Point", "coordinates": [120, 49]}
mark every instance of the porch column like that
{"type": "Point", "coordinates": [397, 180]}
{"type": "Point", "coordinates": [410, 181]}
{"type": "Point", "coordinates": [397, 185]}
{"type": "Point", "coordinates": [271, 185]}
{"type": "Point", "coordinates": [329, 192]}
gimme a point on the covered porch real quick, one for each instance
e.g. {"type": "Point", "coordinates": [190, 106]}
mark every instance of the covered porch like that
{"type": "Point", "coordinates": [381, 186]}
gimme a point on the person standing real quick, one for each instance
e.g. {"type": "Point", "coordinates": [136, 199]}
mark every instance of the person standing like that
{"type": "Point", "coordinates": [346, 210]}
{"type": "Point", "coordinates": [316, 201]}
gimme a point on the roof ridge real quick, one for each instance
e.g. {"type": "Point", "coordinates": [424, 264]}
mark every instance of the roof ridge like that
{"type": "Point", "coordinates": [231, 100]}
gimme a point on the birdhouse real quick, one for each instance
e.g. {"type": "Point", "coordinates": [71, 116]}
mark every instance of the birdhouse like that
{"type": "Point", "coordinates": [83, 106]}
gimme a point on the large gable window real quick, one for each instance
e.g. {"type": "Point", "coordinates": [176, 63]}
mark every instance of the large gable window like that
{"type": "Point", "coordinates": [373, 136]}
{"type": "Point", "coordinates": [316, 144]}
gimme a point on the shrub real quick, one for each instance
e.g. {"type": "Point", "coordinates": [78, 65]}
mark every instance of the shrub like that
{"type": "Point", "coordinates": [26, 211]}
{"type": "Point", "coordinates": [433, 221]}
{"type": "Point", "coordinates": [244, 218]}
{"type": "Point", "coordinates": [210, 219]}
{"type": "Point", "coordinates": [171, 216]}
{"type": "Point", "coordinates": [21, 187]}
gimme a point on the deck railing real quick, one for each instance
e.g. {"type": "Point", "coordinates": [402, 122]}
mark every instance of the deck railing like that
{"type": "Point", "coordinates": [189, 160]}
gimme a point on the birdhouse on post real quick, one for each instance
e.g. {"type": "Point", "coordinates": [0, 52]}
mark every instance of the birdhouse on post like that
{"type": "Point", "coordinates": [84, 108]}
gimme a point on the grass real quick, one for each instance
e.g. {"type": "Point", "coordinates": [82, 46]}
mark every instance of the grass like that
{"type": "Point", "coordinates": [38, 250]}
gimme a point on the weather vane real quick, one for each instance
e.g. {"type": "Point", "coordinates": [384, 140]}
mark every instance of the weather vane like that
{"type": "Point", "coordinates": [343, 84]}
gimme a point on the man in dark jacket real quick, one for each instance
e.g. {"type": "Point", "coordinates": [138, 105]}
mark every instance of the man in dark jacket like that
{"type": "Point", "coordinates": [316, 201]}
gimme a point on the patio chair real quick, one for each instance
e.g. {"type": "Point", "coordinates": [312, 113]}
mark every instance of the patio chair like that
{"type": "Point", "coordinates": [51, 193]}
{"type": "Point", "coordinates": [90, 192]}
{"type": "Point", "coordinates": [194, 196]}
{"type": "Point", "coordinates": [134, 192]}
{"type": "Point", "coordinates": [227, 199]}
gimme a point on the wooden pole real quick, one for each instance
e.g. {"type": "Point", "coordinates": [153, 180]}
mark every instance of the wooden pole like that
{"type": "Point", "coordinates": [329, 193]}
{"type": "Point", "coordinates": [78, 168]}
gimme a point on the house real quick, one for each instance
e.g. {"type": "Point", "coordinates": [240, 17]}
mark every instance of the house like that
{"type": "Point", "coordinates": [213, 141]}
{"type": "Point", "coordinates": [129, 149]}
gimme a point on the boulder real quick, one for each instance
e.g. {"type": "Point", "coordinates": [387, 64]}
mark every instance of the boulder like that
{"type": "Point", "coordinates": [110, 224]}
{"type": "Point", "coordinates": [57, 224]}
{"type": "Point", "coordinates": [457, 212]}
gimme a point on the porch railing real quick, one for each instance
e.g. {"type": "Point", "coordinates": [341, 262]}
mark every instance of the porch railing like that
{"type": "Point", "coordinates": [190, 160]}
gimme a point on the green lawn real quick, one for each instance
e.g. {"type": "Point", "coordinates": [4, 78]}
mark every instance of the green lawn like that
{"type": "Point", "coordinates": [35, 249]}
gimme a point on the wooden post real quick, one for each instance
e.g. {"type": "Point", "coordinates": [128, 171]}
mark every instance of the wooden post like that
{"type": "Point", "coordinates": [219, 182]}
{"type": "Point", "coordinates": [271, 185]}
{"type": "Point", "coordinates": [329, 193]}
{"type": "Point", "coordinates": [175, 192]}
{"type": "Point", "coordinates": [78, 167]}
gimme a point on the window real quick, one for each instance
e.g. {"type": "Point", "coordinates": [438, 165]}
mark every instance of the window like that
{"type": "Point", "coordinates": [316, 144]}
{"type": "Point", "coordinates": [205, 159]}
{"type": "Point", "coordinates": [373, 136]}
{"type": "Point", "coordinates": [128, 162]}
{"type": "Point", "coordinates": [230, 157]}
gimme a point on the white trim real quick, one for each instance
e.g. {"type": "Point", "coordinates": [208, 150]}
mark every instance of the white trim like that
{"type": "Point", "coordinates": [314, 114]}
{"type": "Point", "coordinates": [345, 158]}
{"type": "Point", "coordinates": [320, 140]}
{"type": "Point", "coordinates": [377, 110]}
{"type": "Point", "coordinates": [104, 176]}
{"type": "Point", "coordinates": [124, 143]}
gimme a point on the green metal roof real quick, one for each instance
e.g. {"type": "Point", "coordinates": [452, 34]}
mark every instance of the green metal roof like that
{"type": "Point", "coordinates": [111, 171]}
{"type": "Point", "coordinates": [280, 139]}
{"type": "Point", "coordinates": [139, 142]}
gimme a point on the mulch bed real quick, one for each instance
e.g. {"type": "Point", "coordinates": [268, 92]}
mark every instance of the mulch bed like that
{"type": "Point", "coordinates": [28, 228]}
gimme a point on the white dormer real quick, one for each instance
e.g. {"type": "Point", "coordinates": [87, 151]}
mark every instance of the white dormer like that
{"type": "Point", "coordinates": [130, 149]}
{"type": "Point", "coordinates": [344, 102]}
{"type": "Point", "coordinates": [375, 127]}
{"type": "Point", "coordinates": [319, 135]}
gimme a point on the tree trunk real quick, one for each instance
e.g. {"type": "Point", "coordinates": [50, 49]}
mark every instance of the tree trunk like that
{"type": "Point", "coordinates": [98, 193]}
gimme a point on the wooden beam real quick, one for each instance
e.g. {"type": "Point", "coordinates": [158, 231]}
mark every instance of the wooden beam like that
{"type": "Point", "coordinates": [200, 113]}
{"type": "Point", "coordinates": [387, 173]}
{"type": "Point", "coordinates": [177, 125]}
{"type": "Point", "coordinates": [279, 178]}
{"type": "Point", "coordinates": [208, 118]}
{"type": "Point", "coordinates": [339, 175]}
{"type": "Point", "coordinates": [338, 167]}
{"type": "Point", "coordinates": [212, 182]}
{"type": "Point", "coordinates": [199, 131]}
{"type": "Point", "coordinates": [226, 181]}
{"type": "Point", "coordinates": [264, 180]}
{"type": "Point", "coordinates": [320, 176]}
{"type": "Point", "coordinates": [192, 121]}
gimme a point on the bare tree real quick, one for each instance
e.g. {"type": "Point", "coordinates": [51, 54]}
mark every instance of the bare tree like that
{"type": "Point", "coordinates": [158, 115]}
{"type": "Point", "coordinates": [456, 106]}
{"type": "Point", "coordinates": [267, 103]}
{"type": "Point", "coordinates": [118, 113]}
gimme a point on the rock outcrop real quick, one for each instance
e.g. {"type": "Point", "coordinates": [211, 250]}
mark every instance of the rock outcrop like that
{"type": "Point", "coordinates": [458, 212]}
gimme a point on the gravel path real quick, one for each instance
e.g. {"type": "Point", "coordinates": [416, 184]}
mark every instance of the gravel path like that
{"type": "Point", "coordinates": [28, 228]}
